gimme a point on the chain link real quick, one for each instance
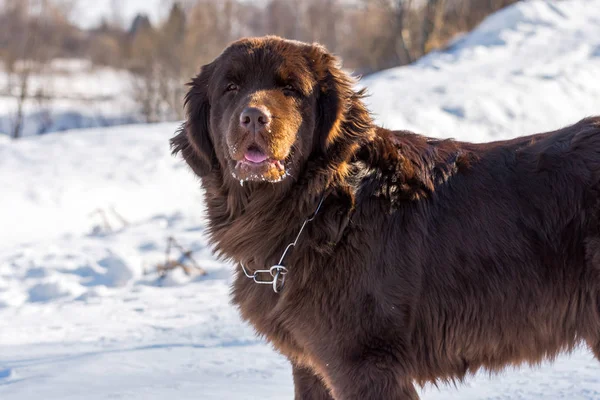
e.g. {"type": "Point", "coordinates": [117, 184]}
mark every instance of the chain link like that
{"type": "Point", "coordinates": [278, 272]}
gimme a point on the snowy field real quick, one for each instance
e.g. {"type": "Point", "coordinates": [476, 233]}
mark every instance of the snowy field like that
{"type": "Point", "coordinates": [83, 315]}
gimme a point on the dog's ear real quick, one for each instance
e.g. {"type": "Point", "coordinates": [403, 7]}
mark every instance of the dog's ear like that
{"type": "Point", "coordinates": [193, 138]}
{"type": "Point", "coordinates": [340, 110]}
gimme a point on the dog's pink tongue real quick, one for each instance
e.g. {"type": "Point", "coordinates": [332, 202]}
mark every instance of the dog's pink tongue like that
{"type": "Point", "coordinates": [255, 156]}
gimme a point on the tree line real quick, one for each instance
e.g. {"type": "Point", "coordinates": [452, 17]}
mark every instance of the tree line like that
{"type": "Point", "coordinates": [369, 35]}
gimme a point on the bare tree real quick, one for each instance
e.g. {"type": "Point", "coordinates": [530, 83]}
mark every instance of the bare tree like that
{"type": "Point", "coordinates": [171, 53]}
{"type": "Point", "coordinates": [368, 34]}
{"type": "Point", "coordinates": [400, 11]}
{"type": "Point", "coordinates": [31, 31]}
{"type": "Point", "coordinates": [282, 18]}
{"type": "Point", "coordinates": [321, 21]}
{"type": "Point", "coordinates": [22, 56]}
{"type": "Point", "coordinates": [145, 69]}
{"type": "Point", "coordinates": [433, 21]}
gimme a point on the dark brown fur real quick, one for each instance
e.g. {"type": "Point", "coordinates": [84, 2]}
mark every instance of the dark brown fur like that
{"type": "Point", "coordinates": [429, 260]}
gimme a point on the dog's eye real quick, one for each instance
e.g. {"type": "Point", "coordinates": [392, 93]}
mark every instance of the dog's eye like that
{"type": "Point", "coordinates": [232, 87]}
{"type": "Point", "coordinates": [290, 89]}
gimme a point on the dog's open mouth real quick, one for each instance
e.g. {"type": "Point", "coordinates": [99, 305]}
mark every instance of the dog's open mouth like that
{"type": "Point", "coordinates": [258, 166]}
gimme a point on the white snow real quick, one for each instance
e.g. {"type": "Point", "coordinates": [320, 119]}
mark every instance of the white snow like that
{"type": "Point", "coordinates": [83, 314]}
{"type": "Point", "coordinates": [530, 67]}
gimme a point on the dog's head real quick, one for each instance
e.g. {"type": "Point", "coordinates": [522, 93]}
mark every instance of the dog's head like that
{"type": "Point", "coordinates": [264, 106]}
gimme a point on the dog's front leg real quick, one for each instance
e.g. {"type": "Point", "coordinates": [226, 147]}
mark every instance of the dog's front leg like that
{"type": "Point", "coordinates": [372, 381]}
{"type": "Point", "coordinates": [308, 386]}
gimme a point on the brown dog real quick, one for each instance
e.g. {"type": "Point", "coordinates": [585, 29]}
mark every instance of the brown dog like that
{"type": "Point", "coordinates": [427, 259]}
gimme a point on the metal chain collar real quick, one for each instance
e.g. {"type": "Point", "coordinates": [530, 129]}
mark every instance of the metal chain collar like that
{"type": "Point", "coordinates": [277, 272]}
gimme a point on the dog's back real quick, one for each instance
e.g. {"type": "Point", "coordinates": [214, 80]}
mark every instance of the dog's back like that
{"type": "Point", "coordinates": [510, 256]}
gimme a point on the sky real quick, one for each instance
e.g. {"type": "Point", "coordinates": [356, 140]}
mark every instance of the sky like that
{"type": "Point", "coordinates": [88, 13]}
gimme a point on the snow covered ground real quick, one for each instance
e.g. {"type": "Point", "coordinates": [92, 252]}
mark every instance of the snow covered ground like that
{"type": "Point", "coordinates": [534, 66]}
{"type": "Point", "coordinates": [82, 314]}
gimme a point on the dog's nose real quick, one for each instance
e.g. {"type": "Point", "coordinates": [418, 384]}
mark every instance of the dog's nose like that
{"type": "Point", "coordinates": [255, 118]}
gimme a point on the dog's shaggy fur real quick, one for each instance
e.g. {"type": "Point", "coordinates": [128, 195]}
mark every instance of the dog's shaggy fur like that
{"type": "Point", "coordinates": [429, 259]}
